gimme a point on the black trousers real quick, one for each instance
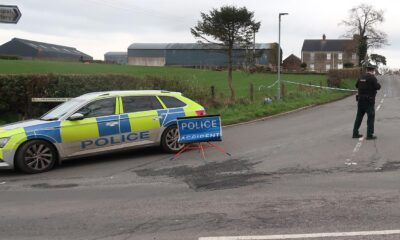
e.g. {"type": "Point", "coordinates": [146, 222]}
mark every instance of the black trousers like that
{"type": "Point", "coordinates": [365, 107]}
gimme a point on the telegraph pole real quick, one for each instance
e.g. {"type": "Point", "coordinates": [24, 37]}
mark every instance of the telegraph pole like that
{"type": "Point", "coordinates": [279, 57]}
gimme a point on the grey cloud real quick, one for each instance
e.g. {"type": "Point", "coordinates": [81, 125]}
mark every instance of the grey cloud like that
{"type": "Point", "coordinates": [97, 24]}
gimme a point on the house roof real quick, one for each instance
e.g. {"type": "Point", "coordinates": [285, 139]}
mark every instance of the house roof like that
{"type": "Point", "coordinates": [176, 46]}
{"type": "Point", "coordinates": [292, 57]}
{"type": "Point", "coordinates": [328, 45]}
{"type": "Point", "coordinates": [48, 47]}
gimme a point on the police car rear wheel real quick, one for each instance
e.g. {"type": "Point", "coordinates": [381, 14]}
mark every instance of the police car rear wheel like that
{"type": "Point", "coordinates": [169, 141]}
{"type": "Point", "coordinates": [36, 156]}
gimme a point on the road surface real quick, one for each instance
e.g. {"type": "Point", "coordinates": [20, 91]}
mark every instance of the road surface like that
{"type": "Point", "coordinates": [300, 173]}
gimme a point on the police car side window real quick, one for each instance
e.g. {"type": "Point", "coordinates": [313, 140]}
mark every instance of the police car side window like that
{"type": "Point", "coordinates": [140, 103]}
{"type": "Point", "coordinates": [172, 102]}
{"type": "Point", "coordinates": [99, 108]}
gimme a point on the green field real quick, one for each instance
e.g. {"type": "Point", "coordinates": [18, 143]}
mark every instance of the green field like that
{"type": "Point", "coordinates": [205, 78]}
{"type": "Point", "coordinates": [241, 110]}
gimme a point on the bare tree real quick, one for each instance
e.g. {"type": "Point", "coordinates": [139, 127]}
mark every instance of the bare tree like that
{"type": "Point", "coordinates": [363, 21]}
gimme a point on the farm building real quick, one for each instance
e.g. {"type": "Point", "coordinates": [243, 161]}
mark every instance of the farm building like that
{"type": "Point", "coordinates": [116, 57]}
{"type": "Point", "coordinates": [292, 63]}
{"type": "Point", "coordinates": [196, 54]}
{"type": "Point", "coordinates": [28, 49]}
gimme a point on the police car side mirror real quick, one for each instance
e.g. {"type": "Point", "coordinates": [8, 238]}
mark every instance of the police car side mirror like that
{"type": "Point", "coordinates": [76, 116]}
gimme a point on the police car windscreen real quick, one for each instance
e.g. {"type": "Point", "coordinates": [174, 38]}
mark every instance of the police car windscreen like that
{"type": "Point", "coordinates": [62, 109]}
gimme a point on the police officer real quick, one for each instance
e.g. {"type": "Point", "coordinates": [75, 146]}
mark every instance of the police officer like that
{"type": "Point", "coordinates": [367, 87]}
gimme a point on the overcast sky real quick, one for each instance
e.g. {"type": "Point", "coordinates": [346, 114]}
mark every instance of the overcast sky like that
{"type": "Point", "coordinates": [99, 26]}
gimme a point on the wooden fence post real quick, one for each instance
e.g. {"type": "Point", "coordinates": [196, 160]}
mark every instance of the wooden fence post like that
{"type": "Point", "coordinates": [251, 92]}
{"type": "Point", "coordinates": [213, 93]}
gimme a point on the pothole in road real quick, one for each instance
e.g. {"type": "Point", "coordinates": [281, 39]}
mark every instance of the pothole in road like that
{"type": "Point", "coordinates": [203, 221]}
{"type": "Point", "coordinates": [47, 186]}
{"type": "Point", "coordinates": [390, 166]}
{"type": "Point", "coordinates": [213, 176]}
{"type": "Point", "coordinates": [389, 119]}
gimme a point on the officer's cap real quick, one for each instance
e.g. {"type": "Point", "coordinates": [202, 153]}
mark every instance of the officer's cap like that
{"type": "Point", "coordinates": [370, 66]}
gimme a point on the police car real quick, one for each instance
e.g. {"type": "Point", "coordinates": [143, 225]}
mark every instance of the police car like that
{"type": "Point", "coordinates": [95, 123]}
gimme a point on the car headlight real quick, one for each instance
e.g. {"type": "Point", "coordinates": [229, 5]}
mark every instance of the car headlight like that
{"type": "Point", "coordinates": [3, 141]}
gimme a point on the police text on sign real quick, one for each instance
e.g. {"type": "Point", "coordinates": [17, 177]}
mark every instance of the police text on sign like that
{"type": "Point", "coordinates": [200, 129]}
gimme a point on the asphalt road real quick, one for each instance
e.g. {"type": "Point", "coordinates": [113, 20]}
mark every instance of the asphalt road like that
{"type": "Point", "coordinates": [294, 174]}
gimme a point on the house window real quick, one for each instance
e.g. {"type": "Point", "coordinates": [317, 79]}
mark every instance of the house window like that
{"type": "Point", "coordinates": [354, 56]}
{"type": "Point", "coordinates": [312, 66]}
{"type": "Point", "coordinates": [312, 56]}
{"type": "Point", "coordinates": [340, 56]}
{"type": "Point", "coordinates": [328, 67]}
{"type": "Point", "coordinates": [340, 66]}
{"type": "Point", "coordinates": [328, 56]}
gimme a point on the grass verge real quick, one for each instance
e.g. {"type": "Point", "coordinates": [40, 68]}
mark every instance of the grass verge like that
{"type": "Point", "coordinates": [244, 109]}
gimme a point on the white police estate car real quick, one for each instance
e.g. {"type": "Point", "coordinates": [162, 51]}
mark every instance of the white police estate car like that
{"type": "Point", "coordinates": [95, 123]}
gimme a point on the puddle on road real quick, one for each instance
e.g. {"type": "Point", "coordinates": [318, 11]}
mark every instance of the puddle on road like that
{"type": "Point", "coordinates": [57, 186]}
{"type": "Point", "coordinates": [213, 176]}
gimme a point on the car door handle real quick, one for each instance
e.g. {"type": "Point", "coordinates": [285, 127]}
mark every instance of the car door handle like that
{"type": "Point", "coordinates": [111, 124]}
{"type": "Point", "coordinates": [157, 118]}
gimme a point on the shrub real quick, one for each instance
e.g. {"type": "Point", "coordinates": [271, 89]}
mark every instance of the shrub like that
{"type": "Point", "coordinates": [259, 69]}
{"type": "Point", "coordinates": [10, 57]}
{"type": "Point", "coordinates": [348, 65]}
{"type": "Point", "coordinates": [336, 76]}
{"type": "Point", "coordinates": [16, 91]}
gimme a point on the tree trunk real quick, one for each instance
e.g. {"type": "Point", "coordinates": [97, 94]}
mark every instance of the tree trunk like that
{"type": "Point", "coordinates": [230, 83]}
{"type": "Point", "coordinates": [362, 50]}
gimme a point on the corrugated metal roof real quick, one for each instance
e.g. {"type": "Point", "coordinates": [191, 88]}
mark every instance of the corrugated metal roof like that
{"type": "Point", "coordinates": [48, 47]}
{"type": "Point", "coordinates": [116, 53]}
{"type": "Point", "coordinates": [176, 46]}
{"type": "Point", "coordinates": [148, 46]}
{"type": "Point", "coordinates": [328, 45]}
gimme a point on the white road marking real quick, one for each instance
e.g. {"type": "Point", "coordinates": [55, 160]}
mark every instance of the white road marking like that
{"type": "Point", "coordinates": [349, 161]}
{"type": "Point", "coordinates": [311, 235]}
{"type": "Point", "coordinates": [359, 144]}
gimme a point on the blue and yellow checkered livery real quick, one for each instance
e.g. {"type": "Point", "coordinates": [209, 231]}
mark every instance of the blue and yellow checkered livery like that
{"type": "Point", "coordinates": [72, 138]}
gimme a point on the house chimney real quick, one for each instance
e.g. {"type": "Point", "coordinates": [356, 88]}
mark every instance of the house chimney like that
{"type": "Point", "coordinates": [324, 37]}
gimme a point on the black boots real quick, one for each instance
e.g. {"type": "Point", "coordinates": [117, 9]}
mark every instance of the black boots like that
{"type": "Point", "coordinates": [372, 137]}
{"type": "Point", "coordinates": [357, 135]}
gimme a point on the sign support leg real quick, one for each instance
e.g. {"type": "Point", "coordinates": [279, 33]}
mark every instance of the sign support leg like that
{"type": "Point", "coordinates": [202, 151]}
{"type": "Point", "coordinates": [181, 151]}
{"type": "Point", "coordinates": [219, 149]}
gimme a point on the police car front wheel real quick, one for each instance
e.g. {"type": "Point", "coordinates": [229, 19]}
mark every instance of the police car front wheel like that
{"type": "Point", "coordinates": [169, 140]}
{"type": "Point", "coordinates": [36, 156]}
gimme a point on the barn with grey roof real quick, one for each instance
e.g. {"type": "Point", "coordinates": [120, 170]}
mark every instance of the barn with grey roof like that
{"type": "Point", "coordinates": [28, 49]}
{"type": "Point", "coordinates": [196, 54]}
{"type": "Point", "coordinates": [116, 57]}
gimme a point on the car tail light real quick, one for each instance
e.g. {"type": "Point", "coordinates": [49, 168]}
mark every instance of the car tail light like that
{"type": "Point", "coordinates": [201, 112]}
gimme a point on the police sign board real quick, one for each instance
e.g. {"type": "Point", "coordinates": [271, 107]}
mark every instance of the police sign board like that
{"type": "Point", "coordinates": [9, 14]}
{"type": "Point", "coordinates": [200, 129]}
